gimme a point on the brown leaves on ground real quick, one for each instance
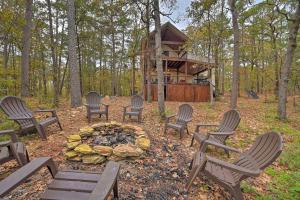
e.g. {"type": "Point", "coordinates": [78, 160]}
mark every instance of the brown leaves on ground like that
{"type": "Point", "coordinates": [162, 173]}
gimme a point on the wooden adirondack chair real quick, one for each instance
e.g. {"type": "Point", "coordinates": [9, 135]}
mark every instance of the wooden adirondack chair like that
{"type": "Point", "coordinates": [93, 106]}
{"type": "Point", "coordinates": [229, 123]}
{"type": "Point", "coordinates": [264, 151]}
{"type": "Point", "coordinates": [13, 149]}
{"type": "Point", "coordinates": [16, 109]}
{"type": "Point", "coordinates": [136, 108]}
{"type": "Point", "coordinates": [183, 117]}
{"type": "Point", "coordinates": [67, 185]}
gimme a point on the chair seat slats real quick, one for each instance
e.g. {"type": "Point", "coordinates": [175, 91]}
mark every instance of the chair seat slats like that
{"type": "Point", "coordinates": [77, 186]}
{"type": "Point", "coordinates": [74, 176]}
{"type": "Point", "coordinates": [64, 195]}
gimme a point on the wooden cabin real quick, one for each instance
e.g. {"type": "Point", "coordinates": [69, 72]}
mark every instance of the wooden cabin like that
{"type": "Point", "coordinates": [187, 78]}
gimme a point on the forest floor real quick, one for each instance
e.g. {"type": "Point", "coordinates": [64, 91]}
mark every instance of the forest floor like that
{"type": "Point", "coordinates": [162, 173]}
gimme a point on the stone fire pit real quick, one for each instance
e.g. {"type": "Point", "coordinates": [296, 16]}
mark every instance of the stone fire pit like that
{"type": "Point", "coordinates": [106, 141]}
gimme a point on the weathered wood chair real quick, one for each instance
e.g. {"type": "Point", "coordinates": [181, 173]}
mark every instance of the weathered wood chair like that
{"type": "Point", "coordinates": [67, 185]}
{"type": "Point", "coordinates": [16, 109]}
{"type": "Point", "coordinates": [183, 117]}
{"type": "Point", "coordinates": [229, 123]}
{"type": "Point", "coordinates": [13, 149]}
{"type": "Point", "coordinates": [264, 151]}
{"type": "Point", "coordinates": [93, 106]}
{"type": "Point", "coordinates": [136, 108]}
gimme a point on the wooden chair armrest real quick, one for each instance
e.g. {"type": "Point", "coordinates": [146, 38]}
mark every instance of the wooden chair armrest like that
{"type": "Point", "coordinates": [126, 106]}
{"type": "Point", "coordinates": [5, 143]}
{"type": "Point", "coordinates": [22, 174]}
{"type": "Point", "coordinates": [11, 133]}
{"type": "Point", "coordinates": [216, 144]}
{"type": "Point", "coordinates": [220, 133]}
{"type": "Point", "coordinates": [198, 126]}
{"type": "Point", "coordinates": [170, 116]}
{"type": "Point", "coordinates": [206, 125]}
{"type": "Point", "coordinates": [106, 182]}
{"type": "Point", "coordinates": [7, 132]}
{"type": "Point", "coordinates": [233, 167]}
{"type": "Point", "coordinates": [104, 104]}
{"type": "Point", "coordinates": [45, 110]}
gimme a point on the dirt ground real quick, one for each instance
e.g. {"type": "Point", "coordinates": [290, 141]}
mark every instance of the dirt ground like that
{"type": "Point", "coordinates": [160, 174]}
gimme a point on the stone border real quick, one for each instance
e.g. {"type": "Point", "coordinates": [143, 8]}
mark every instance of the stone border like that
{"type": "Point", "coordinates": [76, 150]}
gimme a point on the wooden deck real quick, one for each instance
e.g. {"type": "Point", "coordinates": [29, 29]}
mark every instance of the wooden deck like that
{"type": "Point", "coordinates": [182, 92]}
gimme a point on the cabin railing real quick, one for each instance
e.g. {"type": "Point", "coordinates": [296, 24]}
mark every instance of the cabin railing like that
{"type": "Point", "coordinates": [180, 79]}
{"type": "Point", "coordinates": [181, 54]}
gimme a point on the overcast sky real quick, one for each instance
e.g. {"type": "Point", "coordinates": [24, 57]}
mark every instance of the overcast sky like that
{"type": "Point", "coordinates": [179, 13]}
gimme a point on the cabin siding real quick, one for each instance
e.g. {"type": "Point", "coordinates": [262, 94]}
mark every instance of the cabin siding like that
{"type": "Point", "coordinates": [182, 92]}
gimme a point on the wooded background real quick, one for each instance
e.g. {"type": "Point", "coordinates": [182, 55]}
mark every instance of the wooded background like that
{"type": "Point", "coordinates": [34, 40]}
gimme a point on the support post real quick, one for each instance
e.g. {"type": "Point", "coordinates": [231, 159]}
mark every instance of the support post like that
{"type": "Point", "coordinates": [211, 90]}
{"type": "Point", "coordinates": [186, 66]}
{"type": "Point", "coordinates": [166, 80]}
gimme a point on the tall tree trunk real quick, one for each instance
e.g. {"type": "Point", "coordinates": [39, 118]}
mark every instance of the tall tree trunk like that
{"type": "Point", "coordinates": [159, 67]}
{"type": "Point", "coordinates": [133, 76]}
{"type": "Point", "coordinates": [73, 62]}
{"type": "Point", "coordinates": [79, 59]}
{"type": "Point", "coordinates": [236, 61]}
{"type": "Point", "coordinates": [286, 68]}
{"type": "Point", "coordinates": [148, 53]}
{"type": "Point", "coordinates": [53, 56]}
{"type": "Point", "coordinates": [113, 54]}
{"type": "Point", "coordinates": [26, 49]}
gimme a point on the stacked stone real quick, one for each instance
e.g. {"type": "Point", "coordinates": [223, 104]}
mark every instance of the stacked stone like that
{"type": "Point", "coordinates": [77, 151]}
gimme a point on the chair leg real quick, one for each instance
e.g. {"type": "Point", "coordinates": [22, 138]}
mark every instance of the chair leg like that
{"type": "Point", "coordinates": [41, 131]}
{"type": "Point", "coordinates": [100, 115]}
{"type": "Point", "coordinates": [226, 151]}
{"type": "Point", "coordinates": [195, 171]}
{"type": "Point", "coordinates": [203, 146]}
{"type": "Point", "coordinates": [191, 164]}
{"type": "Point", "coordinates": [165, 130]}
{"type": "Point", "coordinates": [115, 190]}
{"type": "Point", "coordinates": [236, 192]}
{"type": "Point", "coordinates": [106, 116]}
{"type": "Point", "coordinates": [192, 142]}
{"type": "Point", "coordinates": [181, 132]}
{"type": "Point", "coordinates": [58, 122]}
{"type": "Point", "coordinates": [123, 117]}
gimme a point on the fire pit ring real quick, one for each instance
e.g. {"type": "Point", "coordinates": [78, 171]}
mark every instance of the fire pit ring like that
{"type": "Point", "coordinates": [106, 141]}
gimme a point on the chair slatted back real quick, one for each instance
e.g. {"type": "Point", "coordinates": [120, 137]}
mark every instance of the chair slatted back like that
{"type": "Point", "coordinates": [230, 122]}
{"type": "Point", "coordinates": [16, 107]}
{"type": "Point", "coordinates": [185, 112]}
{"type": "Point", "coordinates": [265, 150]}
{"type": "Point", "coordinates": [136, 102]}
{"type": "Point", "coordinates": [93, 99]}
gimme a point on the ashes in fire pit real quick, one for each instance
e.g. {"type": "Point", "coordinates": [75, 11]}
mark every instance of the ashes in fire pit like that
{"type": "Point", "coordinates": [99, 142]}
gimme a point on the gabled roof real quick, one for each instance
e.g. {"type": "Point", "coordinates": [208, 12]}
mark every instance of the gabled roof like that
{"type": "Point", "coordinates": [169, 32]}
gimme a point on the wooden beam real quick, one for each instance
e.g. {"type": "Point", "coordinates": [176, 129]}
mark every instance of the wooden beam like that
{"type": "Point", "coordinates": [172, 42]}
